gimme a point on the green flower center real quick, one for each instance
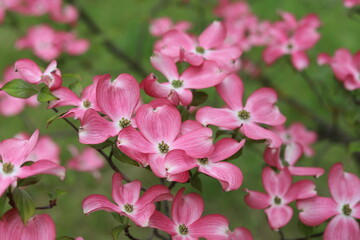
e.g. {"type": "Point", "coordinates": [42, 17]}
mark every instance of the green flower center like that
{"type": "Point", "coordinates": [87, 104]}
{"type": "Point", "coordinates": [183, 230]}
{"type": "Point", "coordinates": [199, 49]}
{"type": "Point", "coordinates": [203, 161]}
{"type": "Point", "coordinates": [177, 83]}
{"type": "Point", "coordinates": [124, 123]}
{"type": "Point", "coordinates": [7, 168]}
{"type": "Point", "coordinates": [244, 115]}
{"type": "Point", "coordinates": [346, 210]}
{"type": "Point", "coordinates": [163, 147]}
{"type": "Point", "coordinates": [277, 200]}
{"type": "Point", "coordinates": [128, 208]}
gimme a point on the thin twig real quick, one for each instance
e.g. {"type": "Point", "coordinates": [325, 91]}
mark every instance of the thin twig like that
{"type": "Point", "coordinates": [11, 198]}
{"type": "Point", "coordinates": [306, 238]}
{"type": "Point", "coordinates": [52, 203]}
{"type": "Point", "coordinates": [282, 237]}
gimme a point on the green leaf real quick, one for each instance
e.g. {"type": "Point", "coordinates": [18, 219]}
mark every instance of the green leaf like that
{"type": "Point", "coordinates": [118, 217]}
{"type": "Point", "coordinates": [65, 238]}
{"type": "Point", "coordinates": [2, 204]}
{"type": "Point", "coordinates": [55, 195]}
{"type": "Point", "coordinates": [354, 147]}
{"type": "Point", "coordinates": [20, 89]}
{"type": "Point", "coordinates": [222, 132]}
{"type": "Point", "coordinates": [53, 118]}
{"type": "Point", "coordinates": [24, 204]}
{"type": "Point", "coordinates": [45, 95]}
{"type": "Point", "coordinates": [304, 229]}
{"type": "Point", "coordinates": [116, 231]}
{"type": "Point", "coordinates": [195, 182]}
{"type": "Point", "coordinates": [122, 157]}
{"type": "Point", "coordinates": [183, 112]}
{"type": "Point", "coordinates": [28, 181]}
{"type": "Point", "coordinates": [199, 97]}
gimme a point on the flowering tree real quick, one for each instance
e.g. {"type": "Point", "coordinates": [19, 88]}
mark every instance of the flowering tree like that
{"type": "Point", "coordinates": [179, 126]}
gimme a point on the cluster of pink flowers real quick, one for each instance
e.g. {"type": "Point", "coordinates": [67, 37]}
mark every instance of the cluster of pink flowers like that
{"type": "Point", "coordinates": [48, 44]}
{"type": "Point", "coordinates": [57, 10]}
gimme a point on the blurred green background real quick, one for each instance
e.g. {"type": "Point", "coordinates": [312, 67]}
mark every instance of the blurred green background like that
{"type": "Point", "coordinates": [126, 23]}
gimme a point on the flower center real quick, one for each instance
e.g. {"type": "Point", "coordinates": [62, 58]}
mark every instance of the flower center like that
{"type": "Point", "coordinates": [163, 147]}
{"type": "Point", "coordinates": [183, 230]}
{"type": "Point", "coordinates": [277, 200]}
{"type": "Point", "coordinates": [177, 83]}
{"type": "Point", "coordinates": [203, 161]}
{"type": "Point", "coordinates": [128, 208]}
{"type": "Point", "coordinates": [124, 123]}
{"type": "Point", "coordinates": [289, 47]}
{"type": "Point", "coordinates": [346, 210]}
{"type": "Point", "coordinates": [87, 104]}
{"type": "Point", "coordinates": [7, 168]}
{"type": "Point", "coordinates": [199, 49]}
{"type": "Point", "coordinates": [244, 115]}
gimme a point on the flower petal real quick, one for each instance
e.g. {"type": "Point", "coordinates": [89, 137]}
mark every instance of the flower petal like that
{"type": "Point", "coordinates": [279, 216]}
{"type": "Point", "coordinates": [165, 65]}
{"type": "Point", "coordinates": [228, 174]}
{"type": "Point", "coordinates": [133, 139]}
{"type": "Point", "coordinates": [276, 184]}
{"type": "Point", "coordinates": [221, 117]}
{"type": "Point", "coordinates": [29, 70]}
{"type": "Point", "coordinates": [42, 167]}
{"type": "Point", "coordinates": [253, 131]}
{"type": "Point", "coordinates": [225, 148]}
{"type": "Point", "coordinates": [257, 200]}
{"type": "Point", "coordinates": [213, 36]}
{"type": "Point", "coordinates": [231, 91]}
{"type": "Point", "coordinates": [300, 190]}
{"type": "Point", "coordinates": [186, 209]}
{"type": "Point", "coordinates": [98, 202]}
{"type": "Point", "coordinates": [300, 60]}
{"type": "Point", "coordinates": [341, 227]}
{"type": "Point", "coordinates": [162, 222]}
{"type": "Point", "coordinates": [118, 98]}
{"type": "Point", "coordinates": [211, 227]}
{"type": "Point", "coordinates": [316, 210]}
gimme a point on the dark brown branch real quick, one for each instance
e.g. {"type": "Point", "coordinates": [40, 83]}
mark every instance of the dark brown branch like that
{"type": "Point", "coordinates": [306, 238]}
{"type": "Point", "coordinates": [52, 203]}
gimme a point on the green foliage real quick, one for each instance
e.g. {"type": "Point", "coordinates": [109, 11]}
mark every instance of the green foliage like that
{"type": "Point", "coordinates": [123, 157]}
{"type": "Point", "coordinates": [199, 97]}
{"type": "Point", "coordinates": [45, 94]}
{"type": "Point", "coordinates": [2, 204]}
{"type": "Point", "coordinates": [116, 231]}
{"type": "Point", "coordinates": [20, 89]}
{"type": "Point", "coordinates": [195, 182]}
{"type": "Point", "coordinates": [24, 203]}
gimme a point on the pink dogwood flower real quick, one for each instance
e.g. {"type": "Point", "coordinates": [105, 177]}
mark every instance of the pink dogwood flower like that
{"type": "Point", "coordinates": [292, 154]}
{"type": "Point", "coordinates": [292, 37]}
{"type": "Point", "coordinates": [118, 100]}
{"type": "Point", "coordinates": [280, 192]}
{"type": "Point", "coordinates": [178, 89]}
{"type": "Point", "coordinates": [10, 106]}
{"type": "Point", "coordinates": [297, 133]}
{"type": "Point", "coordinates": [86, 100]}
{"type": "Point", "coordinates": [187, 223]}
{"type": "Point", "coordinates": [343, 207]}
{"type": "Point", "coordinates": [208, 47]}
{"type": "Point", "coordinates": [30, 72]}
{"type": "Point", "coordinates": [14, 153]}
{"type": "Point", "coordinates": [39, 227]}
{"type": "Point", "coordinates": [259, 109]}
{"type": "Point", "coordinates": [345, 66]}
{"type": "Point", "coordinates": [86, 161]}
{"type": "Point", "coordinates": [160, 26]}
{"type": "Point", "coordinates": [127, 200]}
{"type": "Point", "coordinates": [160, 125]}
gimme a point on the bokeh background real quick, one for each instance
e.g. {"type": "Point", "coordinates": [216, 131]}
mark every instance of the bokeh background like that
{"type": "Point", "coordinates": [126, 23]}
